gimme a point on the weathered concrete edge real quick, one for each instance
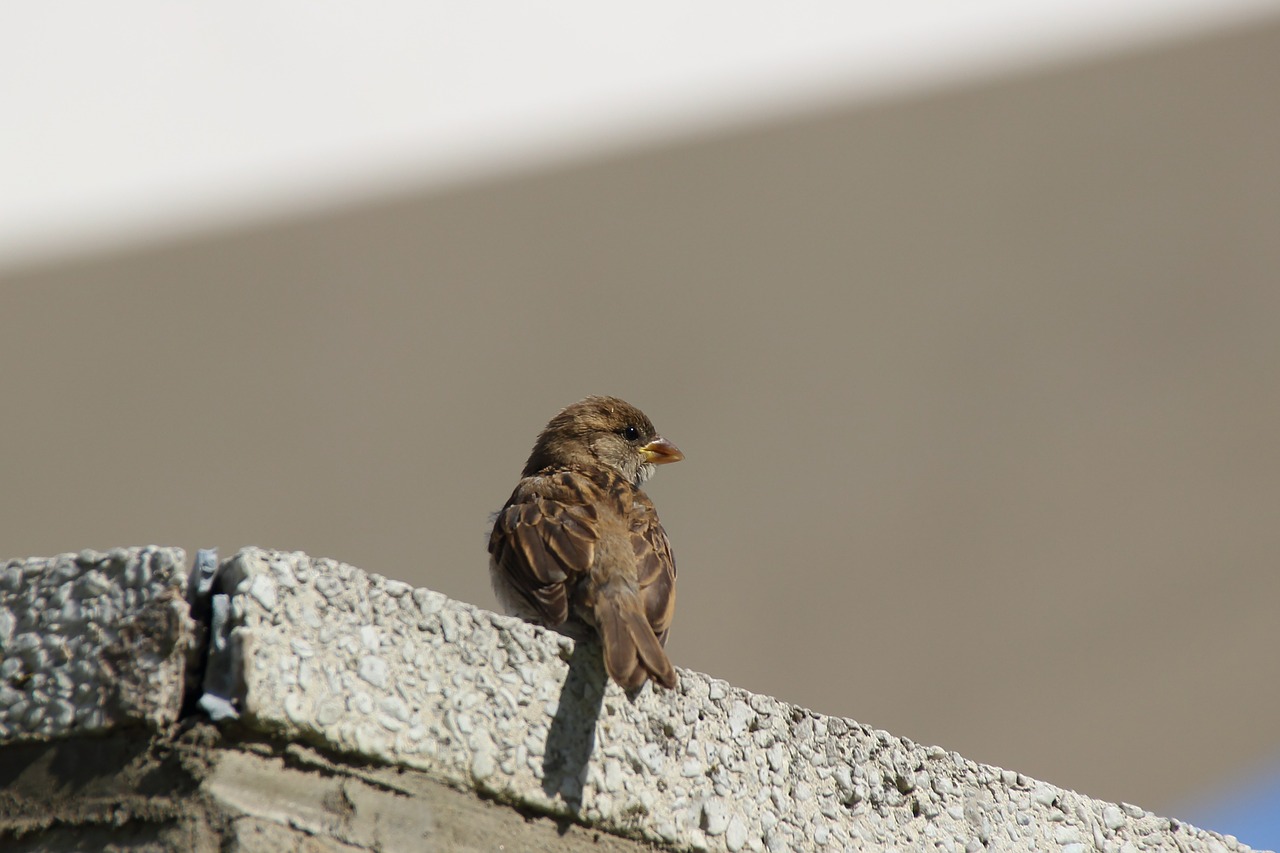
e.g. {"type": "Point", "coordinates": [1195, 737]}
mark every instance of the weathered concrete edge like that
{"type": "Point", "coordinates": [318, 651]}
{"type": "Point", "coordinates": [93, 641]}
{"type": "Point", "coordinates": [205, 789]}
{"type": "Point", "coordinates": [360, 663]}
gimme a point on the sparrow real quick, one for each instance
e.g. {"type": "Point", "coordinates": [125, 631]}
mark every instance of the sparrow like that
{"type": "Point", "coordinates": [578, 546]}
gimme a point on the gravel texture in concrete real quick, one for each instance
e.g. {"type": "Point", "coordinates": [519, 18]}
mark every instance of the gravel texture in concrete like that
{"type": "Point", "coordinates": [358, 663]}
{"type": "Point", "coordinates": [93, 641]}
{"type": "Point", "coordinates": [346, 711]}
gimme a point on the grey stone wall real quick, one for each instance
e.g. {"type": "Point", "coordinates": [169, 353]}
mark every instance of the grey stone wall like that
{"type": "Point", "coordinates": [278, 696]}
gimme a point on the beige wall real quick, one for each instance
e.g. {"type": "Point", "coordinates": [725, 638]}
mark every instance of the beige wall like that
{"type": "Point", "coordinates": [979, 395]}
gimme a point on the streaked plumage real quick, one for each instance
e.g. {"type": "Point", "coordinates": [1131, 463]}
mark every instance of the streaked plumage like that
{"type": "Point", "coordinates": [578, 544]}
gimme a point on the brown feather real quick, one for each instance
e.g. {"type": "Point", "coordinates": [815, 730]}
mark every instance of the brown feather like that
{"type": "Point", "coordinates": [578, 542]}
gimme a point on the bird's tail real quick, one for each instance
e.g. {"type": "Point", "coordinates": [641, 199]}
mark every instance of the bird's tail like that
{"type": "Point", "coordinates": [632, 652]}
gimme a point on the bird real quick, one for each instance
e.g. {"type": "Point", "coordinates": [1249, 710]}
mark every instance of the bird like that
{"type": "Point", "coordinates": [578, 546]}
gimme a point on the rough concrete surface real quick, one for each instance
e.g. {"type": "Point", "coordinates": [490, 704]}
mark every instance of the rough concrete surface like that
{"type": "Point", "coordinates": [205, 791]}
{"type": "Point", "coordinates": [357, 713]}
{"type": "Point", "coordinates": [91, 641]}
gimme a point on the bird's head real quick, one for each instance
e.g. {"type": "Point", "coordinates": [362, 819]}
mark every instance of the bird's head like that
{"type": "Point", "coordinates": [602, 431]}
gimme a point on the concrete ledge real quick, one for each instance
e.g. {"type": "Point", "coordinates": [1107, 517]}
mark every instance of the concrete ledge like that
{"type": "Point", "coordinates": [90, 642]}
{"type": "Point", "coordinates": [214, 791]}
{"type": "Point", "coordinates": [327, 668]}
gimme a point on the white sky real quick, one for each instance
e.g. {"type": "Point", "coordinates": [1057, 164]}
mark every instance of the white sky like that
{"type": "Point", "coordinates": [129, 120]}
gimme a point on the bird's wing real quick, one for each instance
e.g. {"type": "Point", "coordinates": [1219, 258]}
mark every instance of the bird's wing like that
{"type": "Point", "coordinates": [655, 566]}
{"type": "Point", "coordinates": [544, 537]}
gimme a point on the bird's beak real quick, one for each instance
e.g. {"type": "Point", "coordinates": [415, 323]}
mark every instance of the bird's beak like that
{"type": "Point", "coordinates": [660, 452]}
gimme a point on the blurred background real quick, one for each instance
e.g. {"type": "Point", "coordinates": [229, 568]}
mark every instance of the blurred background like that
{"type": "Point", "coordinates": [967, 320]}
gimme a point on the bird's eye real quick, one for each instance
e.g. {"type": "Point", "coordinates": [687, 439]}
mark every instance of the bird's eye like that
{"type": "Point", "coordinates": [631, 434]}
